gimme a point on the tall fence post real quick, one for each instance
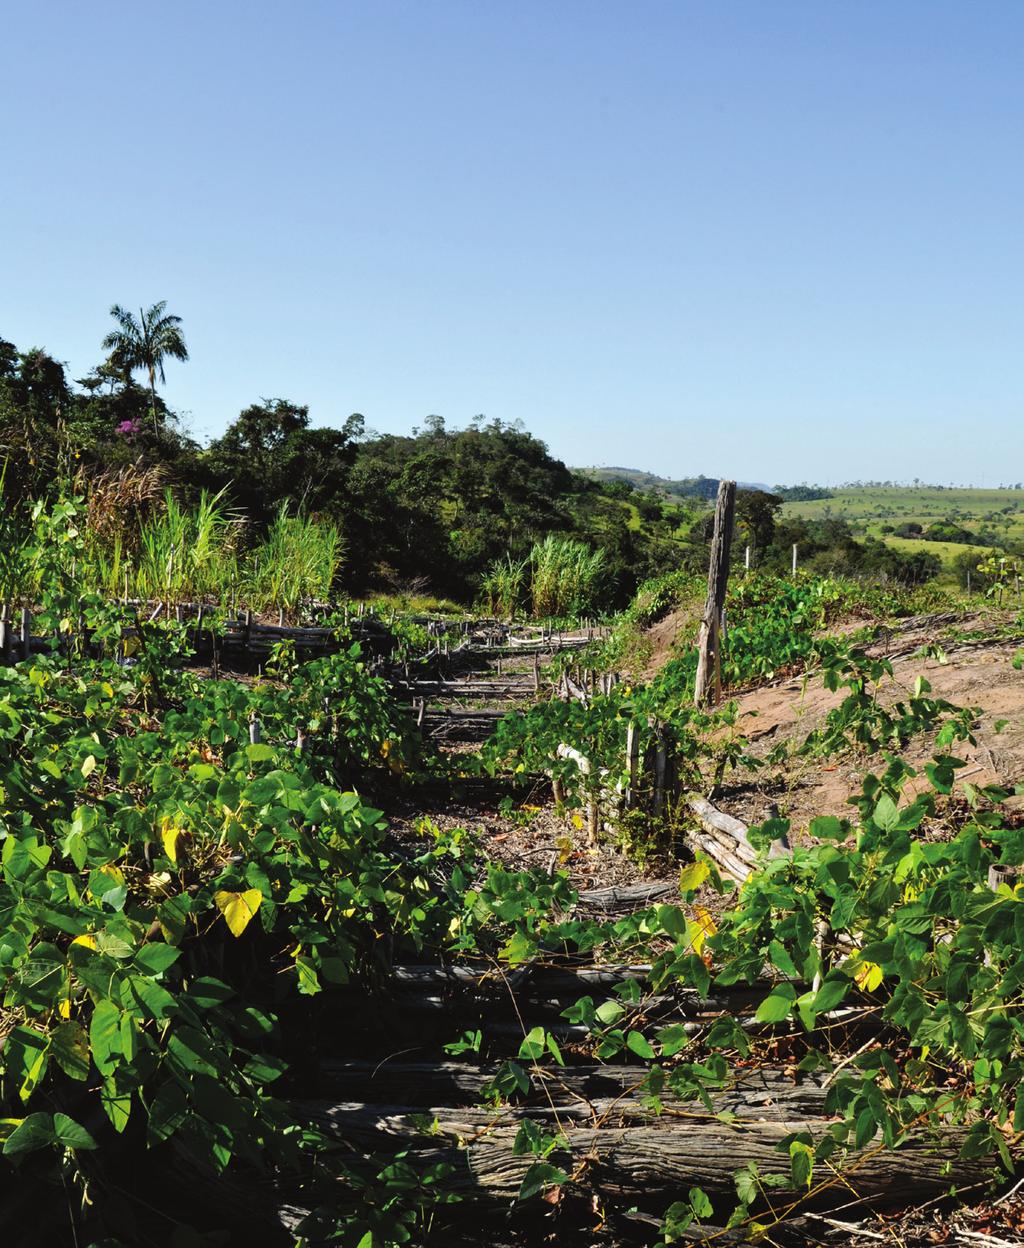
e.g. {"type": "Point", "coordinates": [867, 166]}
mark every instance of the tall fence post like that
{"type": "Point", "coordinates": [709, 666]}
{"type": "Point", "coordinates": [794, 558]}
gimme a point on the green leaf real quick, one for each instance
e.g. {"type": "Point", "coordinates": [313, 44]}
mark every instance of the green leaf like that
{"type": "Point", "coordinates": [829, 995]}
{"type": "Point", "coordinates": [26, 1053]}
{"type": "Point", "coordinates": [156, 958]}
{"type": "Point", "coordinates": [105, 1037]}
{"type": "Point", "coordinates": [672, 1039]}
{"type": "Point", "coordinates": [117, 1105]}
{"type": "Point", "coordinates": [540, 1176]}
{"type": "Point", "coordinates": [779, 955]}
{"type": "Point", "coordinates": [777, 1005]}
{"type": "Point", "coordinates": [801, 1163]}
{"type": "Point", "coordinates": [533, 1045]}
{"type": "Point", "coordinates": [637, 1044]}
{"type": "Point", "coordinates": [69, 1044]}
{"type": "Point", "coordinates": [828, 828]}
{"type": "Point", "coordinates": [70, 1133]}
{"type": "Point", "coordinates": [886, 815]}
{"type": "Point", "coordinates": [700, 1204]}
{"type": "Point", "coordinates": [34, 1132]}
{"type": "Point", "coordinates": [609, 1012]}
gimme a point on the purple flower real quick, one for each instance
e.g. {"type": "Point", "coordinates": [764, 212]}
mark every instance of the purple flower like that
{"type": "Point", "coordinates": [128, 427]}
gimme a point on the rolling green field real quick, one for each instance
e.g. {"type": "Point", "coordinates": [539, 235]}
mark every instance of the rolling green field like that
{"type": "Point", "coordinates": [869, 510]}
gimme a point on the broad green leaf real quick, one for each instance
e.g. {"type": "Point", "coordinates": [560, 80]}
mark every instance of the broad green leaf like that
{"type": "Point", "coordinates": [34, 1132]}
{"type": "Point", "coordinates": [533, 1045]}
{"type": "Point", "coordinates": [70, 1133]}
{"type": "Point", "coordinates": [105, 1037]}
{"type": "Point", "coordinates": [69, 1045]}
{"type": "Point", "coordinates": [639, 1045]}
{"type": "Point", "coordinates": [777, 1005]}
{"type": "Point", "coordinates": [886, 815]}
{"type": "Point", "coordinates": [609, 1012]}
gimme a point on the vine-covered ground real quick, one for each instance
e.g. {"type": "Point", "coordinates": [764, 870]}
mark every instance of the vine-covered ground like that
{"type": "Point", "coordinates": [289, 960]}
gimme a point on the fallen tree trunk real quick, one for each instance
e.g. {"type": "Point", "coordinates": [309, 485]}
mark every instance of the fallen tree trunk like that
{"type": "Point", "coordinates": [651, 1164]}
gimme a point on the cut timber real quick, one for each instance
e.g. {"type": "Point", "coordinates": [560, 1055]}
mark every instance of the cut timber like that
{"type": "Point", "coordinates": [724, 839]}
{"type": "Point", "coordinates": [650, 1164]}
{"type": "Point", "coordinates": [756, 1094]}
{"type": "Point", "coordinates": [708, 686]}
{"type": "Point", "coordinates": [633, 896]}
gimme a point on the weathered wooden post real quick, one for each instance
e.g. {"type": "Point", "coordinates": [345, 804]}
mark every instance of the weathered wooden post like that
{"type": "Point", "coordinates": [794, 558]}
{"type": "Point", "coordinates": [709, 668]}
{"type": "Point", "coordinates": [5, 633]}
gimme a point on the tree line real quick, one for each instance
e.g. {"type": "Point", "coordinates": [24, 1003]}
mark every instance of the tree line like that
{"type": "Point", "coordinates": [429, 511]}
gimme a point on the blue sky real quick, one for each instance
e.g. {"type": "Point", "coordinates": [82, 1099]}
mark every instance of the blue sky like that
{"type": "Point", "coordinates": [779, 241]}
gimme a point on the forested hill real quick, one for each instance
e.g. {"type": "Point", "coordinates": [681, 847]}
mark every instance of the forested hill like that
{"type": "Point", "coordinates": [682, 488]}
{"type": "Point", "coordinates": [427, 511]}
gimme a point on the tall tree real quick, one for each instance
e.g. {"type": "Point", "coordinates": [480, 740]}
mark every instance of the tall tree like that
{"type": "Point", "coordinates": [145, 343]}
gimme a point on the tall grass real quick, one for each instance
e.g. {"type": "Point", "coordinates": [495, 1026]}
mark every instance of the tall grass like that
{"type": "Point", "coordinates": [187, 553]}
{"type": "Point", "coordinates": [504, 586]}
{"type": "Point", "coordinates": [298, 559]}
{"type": "Point", "coordinates": [566, 577]}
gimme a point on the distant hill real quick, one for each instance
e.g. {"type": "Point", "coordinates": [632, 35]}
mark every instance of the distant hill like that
{"type": "Point", "coordinates": [685, 487]}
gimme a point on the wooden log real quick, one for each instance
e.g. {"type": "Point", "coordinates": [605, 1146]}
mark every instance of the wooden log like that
{"type": "Point", "coordinates": [708, 685]}
{"type": "Point", "coordinates": [731, 832]}
{"type": "Point", "coordinates": [630, 896]}
{"type": "Point", "coordinates": [650, 1164]}
{"type": "Point", "coordinates": [358, 1120]}
{"type": "Point", "coordinates": [26, 634]}
{"type": "Point", "coordinates": [439, 1083]}
{"type": "Point", "coordinates": [724, 839]}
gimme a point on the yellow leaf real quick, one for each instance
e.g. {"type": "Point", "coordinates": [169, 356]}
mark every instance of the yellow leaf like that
{"type": "Point", "coordinates": [87, 940]}
{"type": "Point", "coordinates": [693, 876]}
{"type": "Point", "coordinates": [699, 929]}
{"type": "Point", "coordinates": [238, 908]}
{"type": "Point", "coordinates": [868, 976]}
{"type": "Point", "coordinates": [169, 836]}
{"type": "Point", "coordinates": [115, 873]}
{"type": "Point", "coordinates": [89, 766]}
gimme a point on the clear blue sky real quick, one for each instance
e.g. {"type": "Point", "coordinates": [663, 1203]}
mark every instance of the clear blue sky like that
{"type": "Point", "coordinates": [779, 241]}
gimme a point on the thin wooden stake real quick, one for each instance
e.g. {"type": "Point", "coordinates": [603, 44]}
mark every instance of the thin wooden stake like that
{"type": "Point", "coordinates": [632, 762]}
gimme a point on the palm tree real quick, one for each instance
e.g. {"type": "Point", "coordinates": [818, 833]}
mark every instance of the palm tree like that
{"type": "Point", "coordinates": [145, 343]}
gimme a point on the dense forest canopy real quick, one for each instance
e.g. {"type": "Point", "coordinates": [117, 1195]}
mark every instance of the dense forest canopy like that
{"type": "Point", "coordinates": [432, 510]}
